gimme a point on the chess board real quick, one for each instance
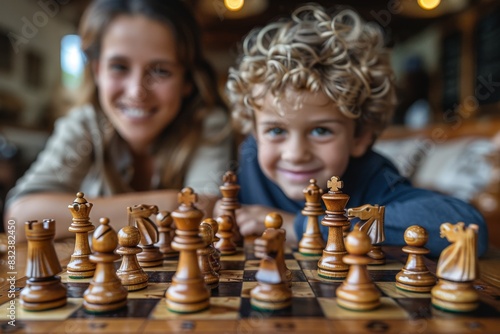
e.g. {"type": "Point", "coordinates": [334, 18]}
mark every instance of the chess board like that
{"type": "Point", "coordinates": [314, 308]}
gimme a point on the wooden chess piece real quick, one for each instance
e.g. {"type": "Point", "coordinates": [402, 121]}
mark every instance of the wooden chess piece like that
{"type": "Point", "coordinates": [372, 217]}
{"type": "Point", "coordinates": [456, 269]}
{"type": "Point", "coordinates": [215, 254]}
{"type": "Point", "coordinates": [225, 245]}
{"type": "Point", "coordinates": [330, 265]}
{"type": "Point", "coordinates": [229, 202]}
{"type": "Point", "coordinates": [150, 255]}
{"type": "Point", "coordinates": [210, 276]}
{"type": "Point", "coordinates": [105, 292]}
{"type": "Point", "coordinates": [274, 221]}
{"type": "Point", "coordinates": [312, 241]}
{"type": "Point", "coordinates": [80, 266]}
{"type": "Point", "coordinates": [358, 292]}
{"type": "Point", "coordinates": [415, 276]}
{"type": "Point", "coordinates": [43, 290]}
{"type": "Point", "coordinates": [130, 272]}
{"type": "Point", "coordinates": [188, 292]}
{"type": "Point", "coordinates": [166, 233]}
{"type": "Point", "coordinates": [272, 292]}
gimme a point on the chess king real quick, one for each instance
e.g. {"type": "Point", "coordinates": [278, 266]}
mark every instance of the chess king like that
{"type": "Point", "coordinates": [456, 269]}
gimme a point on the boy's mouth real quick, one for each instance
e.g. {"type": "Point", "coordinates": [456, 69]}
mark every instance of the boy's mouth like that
{"type": "Point", "coordinates": [298, 175]}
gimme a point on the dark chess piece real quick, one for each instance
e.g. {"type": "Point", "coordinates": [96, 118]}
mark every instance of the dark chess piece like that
{"type": "Point", "coordinates": [358, 292]}
{"type": "Point", "coordinates": [80, 266]}
{"type": "Point", "coordinates": [273, 291]}
{"type": "Point", "coordinates": [43, 290]}
{"type": "Point", "coordinates": [166, 232]}
{"type": "Point", "coordinates": [105, 292]}
{"type": "Point", "coordinates": [210, 276]}
{"type": "Point", "coordinates": [330, 265]}
{"type": "Point", "coordinates": [415, 276]}
{"type": "Point", "coordinates": [188, 292]}
{"type": "Point", "coordinates": [312, 241]}
{"type": "Point", "coordinates": [225, 245]}
{"type": "Point", "coordinates": [456, 269]}
{"type": "Point", "coordinates": [130, 272]}
{"type": "Point", "coordinates": [150, 255]}
{"type": "Point", "coordinates": [215, 254]}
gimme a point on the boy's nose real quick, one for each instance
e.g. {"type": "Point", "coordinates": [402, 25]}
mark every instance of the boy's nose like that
{"type": "Point", "coordinates": [296, 150]}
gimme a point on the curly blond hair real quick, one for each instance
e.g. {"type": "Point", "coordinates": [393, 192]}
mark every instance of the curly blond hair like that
{"type": "Point", "coordinates": [335, 53]}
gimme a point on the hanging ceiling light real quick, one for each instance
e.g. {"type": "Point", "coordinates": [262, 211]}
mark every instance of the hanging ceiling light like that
{"type": "Point", "coordinates": [431, 8]}
{"type": "Point", "coordinates": [429, 4]}
{"type": "Point", "coordinates": [234, 5]}
{"type": "Point", "coordinates": [232, 9]}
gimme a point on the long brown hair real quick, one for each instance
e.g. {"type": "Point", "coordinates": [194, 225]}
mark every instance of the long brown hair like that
{"type": "Point", "coordinates": [181, 138]}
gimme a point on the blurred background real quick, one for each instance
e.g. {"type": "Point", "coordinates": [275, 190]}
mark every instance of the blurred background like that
{"type": "Point", "coordinates": [445, 56]}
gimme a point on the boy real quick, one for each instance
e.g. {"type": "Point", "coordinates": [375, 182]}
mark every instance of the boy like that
{"type": "Point", "coordinates": [315, 91]}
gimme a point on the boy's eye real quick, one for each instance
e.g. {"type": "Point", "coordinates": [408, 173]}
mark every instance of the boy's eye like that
{"type": "Point", "coordinates": [274, 132]}
{"type": "Point", "coordinates": [319, 131]}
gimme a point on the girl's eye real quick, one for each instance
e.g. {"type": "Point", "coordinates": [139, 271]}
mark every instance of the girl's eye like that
{"type": "Point", "coordinates": [160, 72]}
{"type": "Point", "coordinates": [320, 131]}
{"type": "Point", "coordinates": [118, 67]}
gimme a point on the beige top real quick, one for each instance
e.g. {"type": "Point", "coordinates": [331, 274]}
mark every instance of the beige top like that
{"type": "Point", "coordinates": [86, 154]}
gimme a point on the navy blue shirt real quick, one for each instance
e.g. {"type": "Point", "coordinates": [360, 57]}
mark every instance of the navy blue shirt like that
{"type": "Point", "coordinates": [370, 179]}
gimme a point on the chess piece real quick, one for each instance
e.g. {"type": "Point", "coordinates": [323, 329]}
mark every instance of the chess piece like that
{"type": "Point", "coordinates": [330, 265]}
{"type": "Point", "coordinates": [166, 233]}
{"type": "Point", "coordinates": [210, 277]}
{"type": "Point", "coordinates": [130, 272]}
{"type": "Point", "coordinates": [274, 221]}
{"type": "Point", "coordinates": [312, 241]}
{"type": "Point", "coordinates": [43, 290]}
{"type": "Point", "coordinates": [373, 225]}
{"type": "Point", "coordinates": [150, 255]}
{"type": "Point", "coordinates": [456, 269]}
{"type": "Point", "coordinates": [80, 266]}
{"type": "Point", "coordinates": [415, 276]}
{"type": "Point", "coordinates": [188, 292]}
{"type": "Point", "coordinates": [225, 245]}
{"type": "Point", "coordinates": [215, 253]}
{"type": "Point", "coordinates": [229, 202]}
{"type": "Point", "coordinates": [358, 292]}
{"type": "Point", "coordinates": [105, 292]}
{"type": "Point", "coordinates": [272, 292]}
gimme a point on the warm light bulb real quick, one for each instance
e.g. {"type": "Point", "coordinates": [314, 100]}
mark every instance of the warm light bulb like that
{"type": "Point", "coordinates": [234, 5]}
{"type": "Point", "coordinates": [429, 4]}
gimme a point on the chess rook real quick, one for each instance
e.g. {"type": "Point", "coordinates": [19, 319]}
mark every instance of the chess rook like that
{"type": "Point", "coordinates": [43, 290]}
{"type": "Point", "coordinates": [80, 265]}
{"type": "Point", "coordinates": [330, 265]}
{"type": "Point", "coordinates": [130, 272]}
{"type": "Point", "coordinates": [415, 276]}
{"type": "Point", "coordinates": [150, 255]}
{"type": "Point", "coordinates": [358, 292]}
{"type": "Point", "coordinates": [105, 292]}
{"type": "Point", "coordinates": [457, 269]}
{"type": "Point", "coordinates": [188, 292]}
{"type": "Point", "coordinates": [312, 241]}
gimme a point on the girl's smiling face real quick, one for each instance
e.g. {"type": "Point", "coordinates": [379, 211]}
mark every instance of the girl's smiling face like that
{"type": "Point", "coordinates": [303, 138]}
{"type": "Point", "coordinates": [140, 81]}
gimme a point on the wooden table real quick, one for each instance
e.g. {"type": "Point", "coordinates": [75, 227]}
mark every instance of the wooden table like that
{"type": "Point", "coordinates": [230, 311]}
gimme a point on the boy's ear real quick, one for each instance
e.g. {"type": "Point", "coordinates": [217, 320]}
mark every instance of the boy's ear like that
{"type": "Point", "coordinates": [362, 142]}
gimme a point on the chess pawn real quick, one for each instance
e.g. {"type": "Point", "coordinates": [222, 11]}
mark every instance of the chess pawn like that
{"type": "Point", "coordinates": [272, 291]}
{"type": "Point", "coordinates": [358, 292]}
{"type": "Point", "coordinates": [415, 276]}
{"type": "Point", "coordinates": [210, 277]}
{"type": "Point", "coordinates": [456, 269]}
{"type": "Point", "coordinates": [225, 245]}
{"type": "Point", "coordinates": [80, 266]}
{"type": "Point", "coordinates": [105, 292]}
{"type": "Point", "coordinates": [188, 292]}
{"type": "Point", "coordinates": [330, 265]}
{"type": "Point", "coordinates": [274, 221]}
{"type": "Point", "coordinates": [164, 222]}
{"type": "Point", "coordinates": [229, 202]}
{"type": "Point", "coordinates": [130, 272]}
{"type": "Point", "coordinates": [215, 253]}
{"type": "Point", "coordinates": [43, 290]}
{"type": "Point", "coordinates": [312, 241]}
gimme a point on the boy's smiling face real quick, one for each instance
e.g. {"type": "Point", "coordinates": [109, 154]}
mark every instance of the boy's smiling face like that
{"type": "Point", "coordinates": [305, 136]}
